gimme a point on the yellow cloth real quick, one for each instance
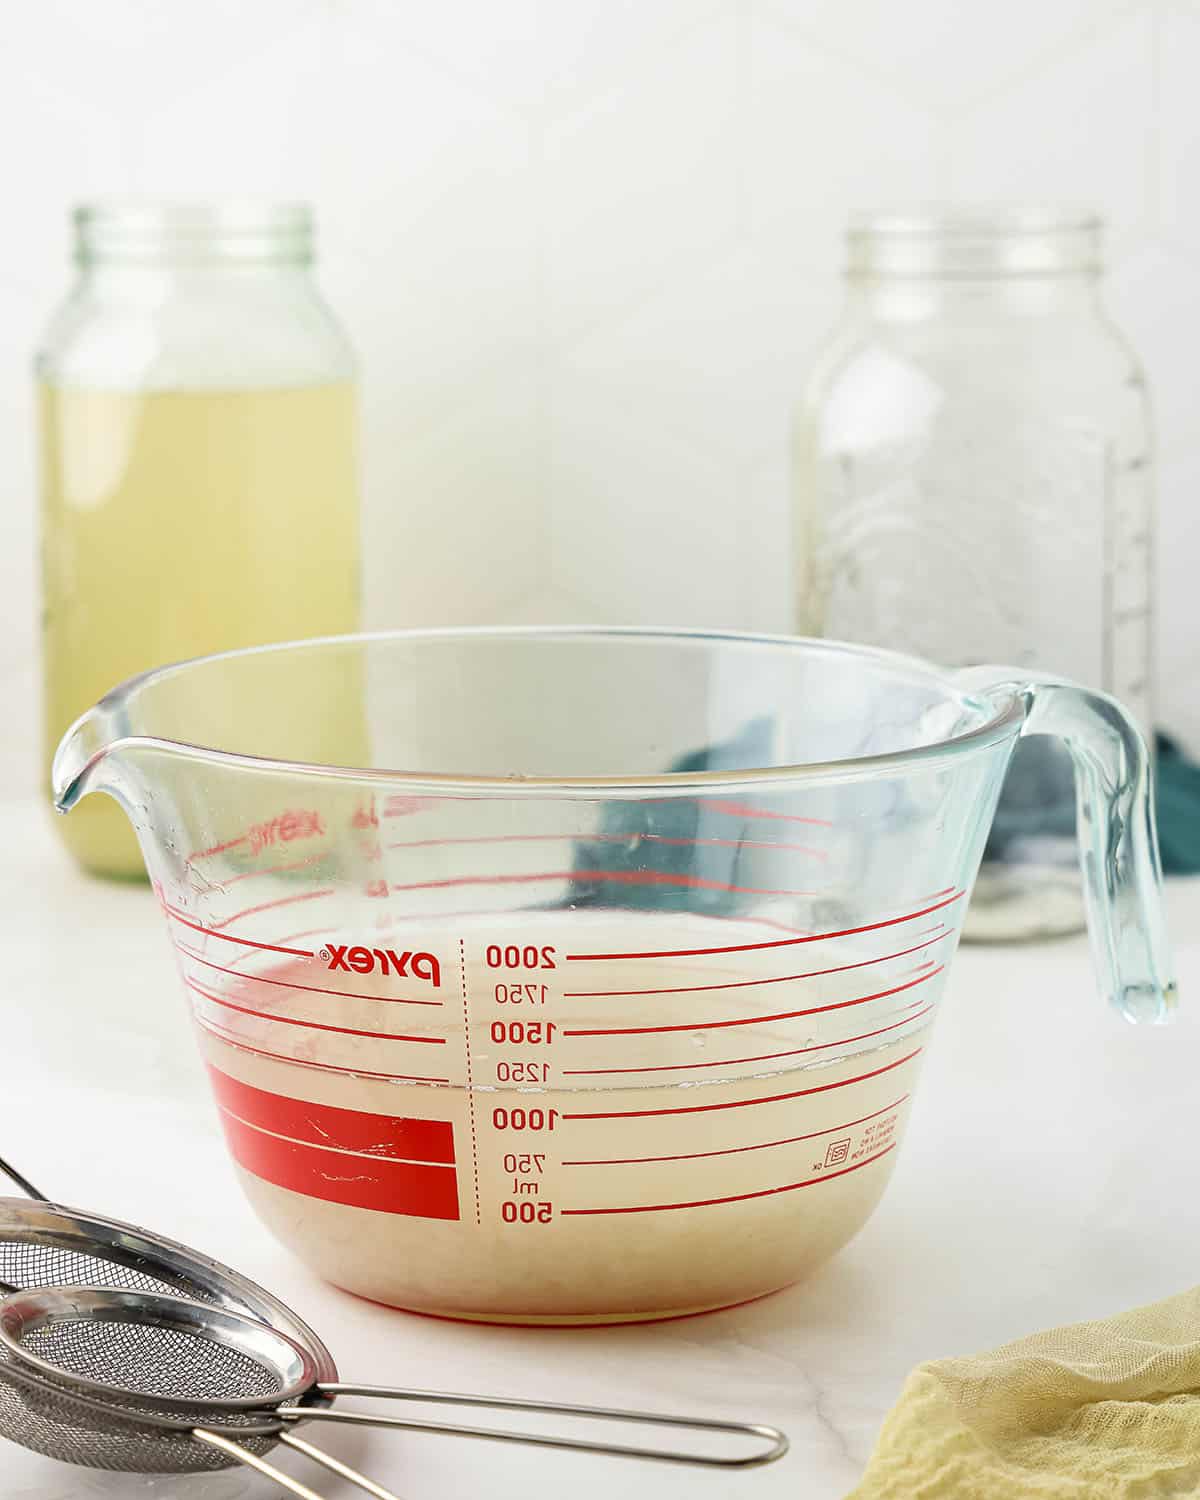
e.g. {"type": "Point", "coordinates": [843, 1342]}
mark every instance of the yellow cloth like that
{"type": "Point", "coordinates": [1097, 1411]}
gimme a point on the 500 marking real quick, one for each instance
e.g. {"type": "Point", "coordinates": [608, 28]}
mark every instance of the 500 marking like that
{"type": "Point", "coordinates": [524, 1212]}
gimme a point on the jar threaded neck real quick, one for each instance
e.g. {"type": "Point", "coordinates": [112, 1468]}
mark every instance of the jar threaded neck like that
{"type": "Point", "coordinates": [241, 231]}
{"type": "Point", "coordinates": [960, 243]}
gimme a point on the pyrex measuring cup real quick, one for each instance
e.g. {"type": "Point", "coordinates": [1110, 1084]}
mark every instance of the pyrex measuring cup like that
{"type": "Point", "coordinates": [583, 975]}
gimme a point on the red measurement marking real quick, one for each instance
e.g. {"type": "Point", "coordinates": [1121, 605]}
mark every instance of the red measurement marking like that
{"type": "Point", "coordinates": [299, 864]}
{"type": "Point", "coordinates": [620, 877]}
{"type": "Point", "coordinates": [698, 1109]}
{"type": "Point", "coordinates": [610, 838]}
{"type": "Point", "coordinates": [303, 1062]}
{"type": "Point", "coordinates": [284, 937]}
{"type": "Point", "coordinates": [365, 815]}
{"type": "Point", "coordinates": [228, 937]}
{"type": "Point", "coordinates": [396, 1137]}
{"type": "Point", "coordinates": [292, 937]}
{"type": "Point", "coordinates": [293, 900]}
{"type": "Point", "coordinates": [462, 966]}
{"type": "Point", "coordinates": [217, 849]}
{"type": "Point", "coordinates": [285, 827]}
{"type": "Point", "coordinates": [291, 984]}
{"type": "Point", "coordinates": [789, 1140]}
{"type": "Point", "coordinates": [733, 809]}
{"type": "Point", "coordinates": [266, 1015]}
{"type": "Point", "coordinates": [812, 937]}
{"type": "Point", "coordinates": [744, 810]}
{"type": "Point", "coordinates": [729, 1062]}
{"type": "Point", "coordinates": [415, 1189]}
{"type": "Point", "coordinates": [786, 1015]}
{"type": "Point", "coordinates": [745, 984]}
{"type": "Point", "coordinates": [788, 1187]}
{"type": "Point", "coordinates": [403, 807]}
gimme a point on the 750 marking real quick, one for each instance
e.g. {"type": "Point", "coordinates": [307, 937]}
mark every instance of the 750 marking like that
{"type": "Point", "coordinates": [525, 1168]}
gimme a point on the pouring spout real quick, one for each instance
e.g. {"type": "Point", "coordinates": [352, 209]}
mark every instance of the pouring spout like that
{"type": "Point", "coordinates": [83, 755]}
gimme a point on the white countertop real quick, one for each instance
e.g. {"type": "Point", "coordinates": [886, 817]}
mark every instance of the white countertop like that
{"type": "Point", "coordinates": [1048, 1176]}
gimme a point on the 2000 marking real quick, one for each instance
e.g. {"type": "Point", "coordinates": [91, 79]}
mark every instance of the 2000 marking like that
{"type": "Point", "coordinates": [513, 957]}
{"type": "Point", "coordinates": [525, 1119]}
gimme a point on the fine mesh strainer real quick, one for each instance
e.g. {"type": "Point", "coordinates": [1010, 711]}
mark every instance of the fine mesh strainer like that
{"type": "Point", "coordinates": [120, 1371]}
{"type": "Point", "coordinates": [73, 1362]}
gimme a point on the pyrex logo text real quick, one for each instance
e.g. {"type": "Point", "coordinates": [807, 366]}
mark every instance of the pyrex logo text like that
{"type": "Point", "coordinates": [359, 960]}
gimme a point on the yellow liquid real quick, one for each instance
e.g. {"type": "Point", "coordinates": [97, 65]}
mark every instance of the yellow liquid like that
{"type": "Point", "coordinates": [180, 523]}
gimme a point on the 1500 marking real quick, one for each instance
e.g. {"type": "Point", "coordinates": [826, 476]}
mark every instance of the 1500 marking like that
{"type": "Point", "coordinates": [520, 1032]}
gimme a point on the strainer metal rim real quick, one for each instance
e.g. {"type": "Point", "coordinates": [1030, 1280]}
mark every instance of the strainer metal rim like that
{"type": "Point", "coordinates": [58, 1227]}
{"type": "Point", "coordinates": [274, 1351]}
{"type": "Point", "coordinates": [111, 1414]}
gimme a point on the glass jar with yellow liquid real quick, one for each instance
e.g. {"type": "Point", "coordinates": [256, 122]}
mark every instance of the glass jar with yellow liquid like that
{"type": "Point", "coordinates": [198, 466]}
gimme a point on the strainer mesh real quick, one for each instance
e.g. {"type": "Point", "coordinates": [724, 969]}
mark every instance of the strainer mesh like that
{"type": "Point", "coordinates": [28, 1265]}
{"type": "Point", "coordinates": [40, 1416]}
{"type": "Point", "coordinates": [154, 1361]}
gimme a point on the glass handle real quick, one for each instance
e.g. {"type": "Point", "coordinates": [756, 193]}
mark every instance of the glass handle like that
{"type": "Point", "coordinates": [1118, 853]}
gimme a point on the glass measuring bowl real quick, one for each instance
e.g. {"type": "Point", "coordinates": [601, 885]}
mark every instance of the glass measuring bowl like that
{"type": "Point", "coordinates": [585, 975]}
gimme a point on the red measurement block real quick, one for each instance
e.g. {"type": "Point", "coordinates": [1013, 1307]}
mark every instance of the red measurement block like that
{"type": "Point", "coordinates": [387, 1163]}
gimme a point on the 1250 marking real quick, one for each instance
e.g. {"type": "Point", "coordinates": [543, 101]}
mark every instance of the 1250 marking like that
{"type": "Point", "coordinates": [522, 1072]}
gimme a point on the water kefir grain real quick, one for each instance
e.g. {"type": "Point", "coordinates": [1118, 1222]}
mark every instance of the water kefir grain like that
{"type": "Point", "coordinates": [799, 1147]}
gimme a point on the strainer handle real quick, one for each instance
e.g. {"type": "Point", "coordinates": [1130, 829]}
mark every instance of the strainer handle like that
{"type": "Point", "coordinates": [253, 1461]}
{"type": "Point", "coordinates": [23, 1183]}
{"type": "Point", "coordinates": [776, 1442]}
{"type": "Point", "coordinates": [293, 1486]}
{"type": "Point", "coordinates": [27, 1187]}
{"type": "Point", "coordinates": [1122, 874]}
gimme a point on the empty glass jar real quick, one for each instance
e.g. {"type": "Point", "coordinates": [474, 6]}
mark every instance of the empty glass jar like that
{"type": "Point", "coordinates": [973, 485]}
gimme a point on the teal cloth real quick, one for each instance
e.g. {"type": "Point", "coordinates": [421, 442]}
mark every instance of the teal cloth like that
{"type": "Point", "coordinates": [1177, 806]}
{"type": "Point", "coordinates": [645, 856]}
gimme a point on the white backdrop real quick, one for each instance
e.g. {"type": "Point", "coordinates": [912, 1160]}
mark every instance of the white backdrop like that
{"type": "Point", "coordinates": [587, 247]}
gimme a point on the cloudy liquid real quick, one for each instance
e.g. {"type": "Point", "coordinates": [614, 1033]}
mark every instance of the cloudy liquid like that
{"type": "Point", "coordinates": [175, 524]}
{"type": "Point", "coordinates": [642, 1175]}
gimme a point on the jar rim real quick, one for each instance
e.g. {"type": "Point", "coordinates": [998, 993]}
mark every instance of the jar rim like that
{"type": "Point", "coordinates": [964, 239]}
{"type": "Point", "coordinates": [150, 230]}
